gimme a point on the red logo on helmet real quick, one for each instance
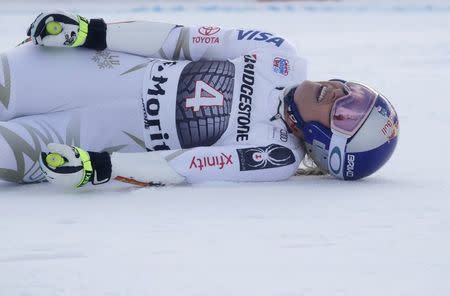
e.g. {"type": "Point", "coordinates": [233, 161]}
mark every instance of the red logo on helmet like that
{"type": "Point", "coordinates": [208, 31]}
{"type": "Point", "coordinates": [390, 128]}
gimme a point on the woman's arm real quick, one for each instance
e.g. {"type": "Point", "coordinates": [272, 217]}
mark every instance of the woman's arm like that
{"type": "Point", "coordinates": [152, 39]}
{"type": "Point", "coordinates": [201, 164]}
{"type": "Point", "coordinates": [190, 43]}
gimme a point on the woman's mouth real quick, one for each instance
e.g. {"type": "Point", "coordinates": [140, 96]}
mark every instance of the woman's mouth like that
{"type": "Point", "coordinates": [323, 90]}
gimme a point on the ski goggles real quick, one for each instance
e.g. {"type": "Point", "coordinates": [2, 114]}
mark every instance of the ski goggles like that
{"type": "Point", "coordinates": [348, 112]}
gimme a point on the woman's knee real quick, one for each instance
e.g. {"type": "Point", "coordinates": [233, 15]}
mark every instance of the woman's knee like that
{"type": "Point", "coordinates": [5, 86]}
{"type": "Point", "coordinates": [20, 148]}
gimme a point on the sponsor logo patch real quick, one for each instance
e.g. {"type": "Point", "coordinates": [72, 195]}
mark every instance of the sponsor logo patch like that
{"type": "Point", "coordinates": [390, 128]}
{"type": "Point", "coordinates": [336, 160]}
{"type": "Point", "coordinates": [151, 105]}
{"type": "Point", "coordinates": [260, 36]}
{"type": "Point", "coordinates": [259, 158]}
{"type": "Point", "coordinates": [207, 36]}
{"type": "Point", "coordinates": [245, 98]}
{"type": "Point", "coordinates": [350, 165]}
{"type": "Point", "coordinates": [217, 161]}
{"type": "Point", "coordinates": [70, 39]}
{"type": "Point", "coordinates": [208, 31]}
{"type": "Point", "coordinates": [281, 66]}
{"type": "Point", "coordinates": [279, 134]}
{"type": "Point", "coordinates": [284, 135]}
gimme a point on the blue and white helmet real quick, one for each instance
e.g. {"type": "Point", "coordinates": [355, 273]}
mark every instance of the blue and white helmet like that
{"type": "Point", "coordinates": [358, 143]}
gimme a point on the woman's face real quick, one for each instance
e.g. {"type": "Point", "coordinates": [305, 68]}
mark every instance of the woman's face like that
{"type": "Point", "coordinates": [315, 101]}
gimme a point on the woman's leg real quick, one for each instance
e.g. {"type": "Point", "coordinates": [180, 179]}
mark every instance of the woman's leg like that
{"type": "Point", "coordinates": [37, 80]}
{"type": "Point", "coordinates": [117, 126]}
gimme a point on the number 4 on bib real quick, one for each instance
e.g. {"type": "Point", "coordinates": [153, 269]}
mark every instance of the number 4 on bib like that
{"type": "Point", "coordinates": [204, 95]}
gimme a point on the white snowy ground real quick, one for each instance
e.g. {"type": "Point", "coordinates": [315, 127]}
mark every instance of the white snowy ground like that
{"type": "Point", "coordinates": [386, 235]}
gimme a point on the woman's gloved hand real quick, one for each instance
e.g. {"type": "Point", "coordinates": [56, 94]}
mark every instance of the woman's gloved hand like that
{"type": "Point", "coordinates": [69, 166]}
{"type": "Point", "coordinates": [62, 29]}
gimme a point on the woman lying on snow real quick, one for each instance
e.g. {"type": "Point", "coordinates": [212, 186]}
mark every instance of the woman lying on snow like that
{"type": "Point", "coordinates": [192, 103]}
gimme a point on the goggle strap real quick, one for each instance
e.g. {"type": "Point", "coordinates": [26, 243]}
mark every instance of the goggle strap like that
{"type": "Point", "coordinates": [336, 155]}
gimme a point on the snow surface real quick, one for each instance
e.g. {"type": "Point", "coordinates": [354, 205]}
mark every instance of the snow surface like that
{"type": "Point", "coordinates": [386, 235]}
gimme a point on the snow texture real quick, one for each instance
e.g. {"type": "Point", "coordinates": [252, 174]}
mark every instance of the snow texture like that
{"type": "Point", "coordinates": [388, 234]}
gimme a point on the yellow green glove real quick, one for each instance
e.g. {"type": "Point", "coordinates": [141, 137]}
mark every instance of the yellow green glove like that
{"type": "Point", "coordinates": [69, 166]}
{"type": "Point", "coordinates": [62, 29]}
